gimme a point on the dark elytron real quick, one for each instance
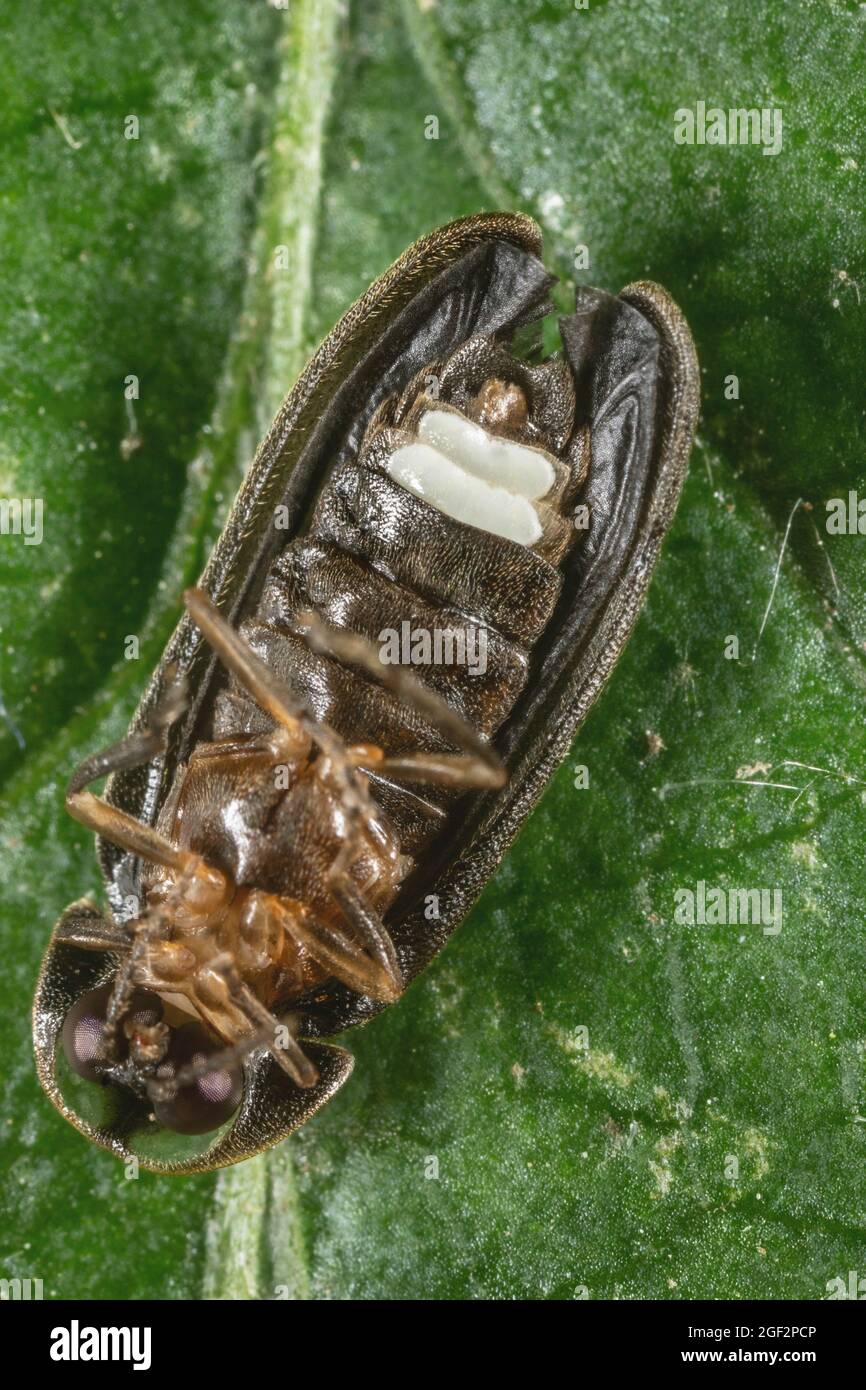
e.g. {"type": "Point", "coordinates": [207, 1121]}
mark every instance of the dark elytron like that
{"type": "Point", "coordinates": [286, 805]}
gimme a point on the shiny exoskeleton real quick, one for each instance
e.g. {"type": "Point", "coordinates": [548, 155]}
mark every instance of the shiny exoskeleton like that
{"type": "Point", "coordinates": [272, 863]}
{"type": "Point", "coordinates": [311, 787]}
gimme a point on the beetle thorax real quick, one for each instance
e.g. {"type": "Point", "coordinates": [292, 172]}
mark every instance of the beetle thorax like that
{"type": "Point", "coordinates": [272, 833]}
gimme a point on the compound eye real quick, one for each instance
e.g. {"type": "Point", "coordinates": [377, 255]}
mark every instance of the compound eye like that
{"type": "Point", "coordinates": [84, 1025]}
{"type": "Point", "coordinates": [206, 1102]}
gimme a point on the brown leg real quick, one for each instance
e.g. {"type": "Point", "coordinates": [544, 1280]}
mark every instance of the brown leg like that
{"type": "Point", "coordinates": [338, 762]}
{"type": "Point", "coordinates": [338, 952]}
{"type": "Point", "coordinates": [287, 1052]}
{"type": "Point", "coordinates": [479, 764]}
{"type": "Point", "coordinates": [83, 926]}
{"type": "Point", "coordinates": [364, 959]}
{"type": "Point", "coordinates": [368, 929]}
{"type": "Point", "coordinates": [442, 769]}
{"type": "Point", "coordinates": [132, 972]}
{"type": "Point", "coordinates": [233, 1006]}
{"type": "Point", "coordinates": [368, 926]}
{"type": "Point", "coordinates": [274, 696]}
{"type": "Point", "coordinates": [114, 824]}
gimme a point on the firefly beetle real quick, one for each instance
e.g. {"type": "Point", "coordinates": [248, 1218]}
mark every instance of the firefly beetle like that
{"type": "Point", "coordinates": [286, 803]}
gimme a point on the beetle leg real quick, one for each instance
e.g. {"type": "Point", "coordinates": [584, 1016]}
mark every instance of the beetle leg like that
{"type": "Point", "coordinates": [340, 953]}
{"type": "Point", "coordinates": [365, 959]}
{"type": "Point", "coordinates": [268, 690]}
{"type": "Point", "coordinates": [478, 766]}
{"type": "Point", "coordinates": [84, 927]}
{"type": "Point", "coordinates": [278, 699]}
{"type": "Point", "coordinates": [286, 1051]}
{"type": "Point", "coordinates": [141, 933]}
{"type": "Point", "coordinates": [207, 885]}
{"type": "Point", "coordinates": [367, 924]}
{"type": "Point", "coordinates": [264, 1030]}
{"type": "Point", "coordinates": [116, 825]}
{"type": "Point", "coordinates": [443, 769]}
{"type": "Point", "coordinates": [124, 830]}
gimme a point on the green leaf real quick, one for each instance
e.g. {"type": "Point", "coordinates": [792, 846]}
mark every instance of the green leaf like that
{"type": "Point", "coordinates": [582, 1096]}
{"type": "Point", "coordinates": [125, 257]}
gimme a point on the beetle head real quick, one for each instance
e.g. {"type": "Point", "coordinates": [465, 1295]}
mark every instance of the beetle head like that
{"type": "Point", "coordinates": [121, 1096]}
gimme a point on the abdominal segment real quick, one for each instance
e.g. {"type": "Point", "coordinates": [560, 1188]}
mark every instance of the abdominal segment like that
{"type": "Point", "coordinates": [441, 543]}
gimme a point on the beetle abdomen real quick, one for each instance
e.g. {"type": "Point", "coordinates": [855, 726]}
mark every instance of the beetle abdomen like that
{"type": "Point", "coordinates": [349, 592]}
{"type": "Point", "coordinates": [461, 603]}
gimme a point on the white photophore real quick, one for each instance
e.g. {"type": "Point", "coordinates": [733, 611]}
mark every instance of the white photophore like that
{"type": "Point", "coordinates": [478, 478]}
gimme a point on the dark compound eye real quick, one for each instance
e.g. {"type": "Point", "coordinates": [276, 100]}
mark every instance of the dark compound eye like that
{"type": "Point", "coordinates": [209, 1100]}
{"type": "Point", "coordinates": [84, 1024]}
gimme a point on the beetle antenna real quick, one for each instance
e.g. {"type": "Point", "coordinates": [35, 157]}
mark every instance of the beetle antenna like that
{"type": "Point", "coordinates": [137, 748]}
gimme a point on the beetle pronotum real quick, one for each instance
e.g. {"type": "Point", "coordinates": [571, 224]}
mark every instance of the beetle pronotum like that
{"type": "Point", "coordinates": [286, 803]}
